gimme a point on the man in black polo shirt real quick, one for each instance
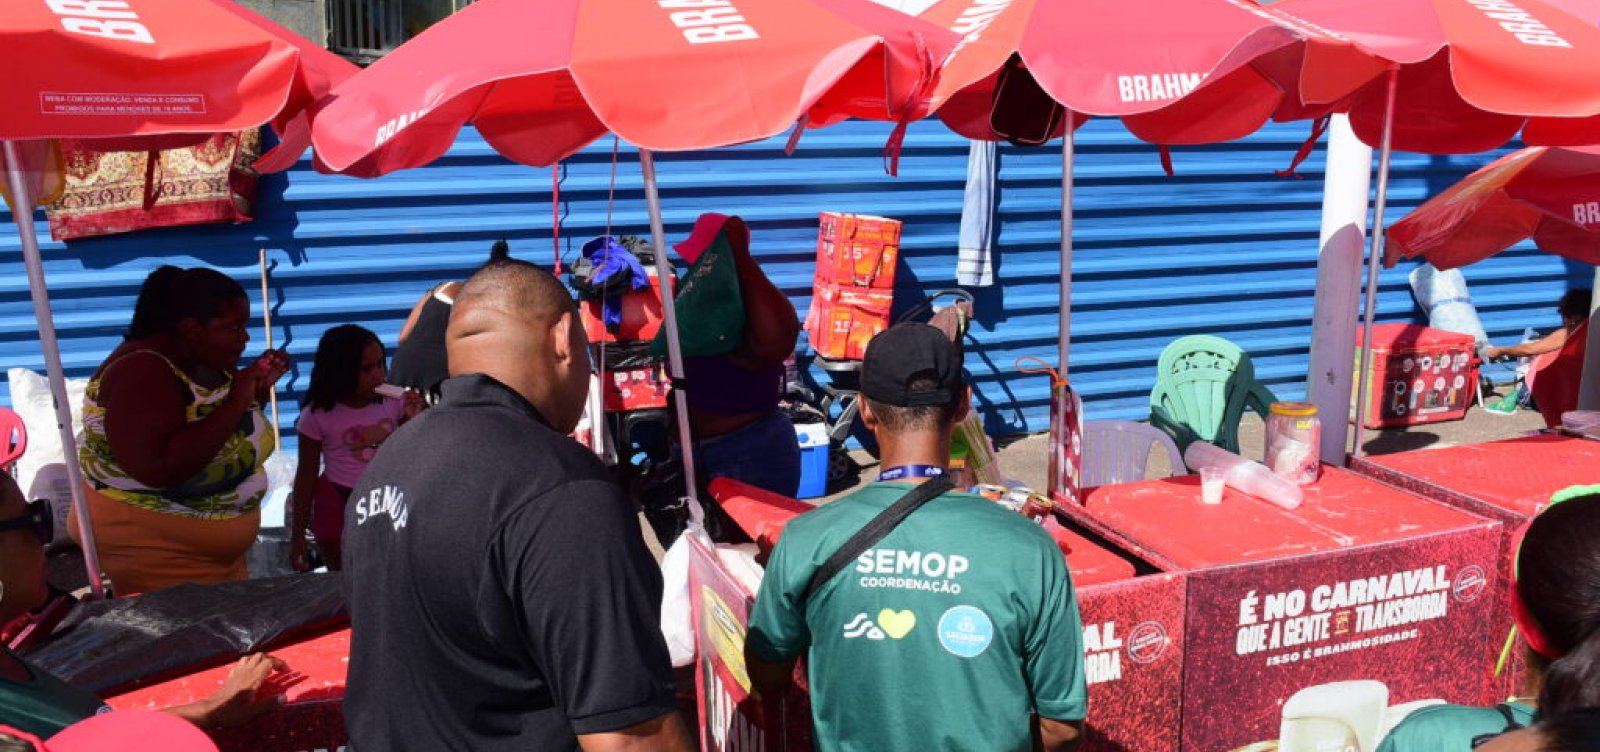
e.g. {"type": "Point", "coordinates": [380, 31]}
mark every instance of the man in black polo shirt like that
{"type": "Point", "coordinates": [501, 596]}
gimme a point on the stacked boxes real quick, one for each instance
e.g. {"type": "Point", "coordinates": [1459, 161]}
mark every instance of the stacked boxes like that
{"type": "Point", "coordinates": [853, 288]}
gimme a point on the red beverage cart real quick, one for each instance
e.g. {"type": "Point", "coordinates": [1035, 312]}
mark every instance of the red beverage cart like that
{"type": "Point", "coordinates": [1361, 583]}
{"type": "Point", "coordinates": [1508, 481]}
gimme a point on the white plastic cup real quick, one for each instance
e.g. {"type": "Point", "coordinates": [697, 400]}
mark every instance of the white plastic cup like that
{"type": "Point", "coordinates": [1243, 475]}
{"type": "Point", "coordinates": [1212, 482]}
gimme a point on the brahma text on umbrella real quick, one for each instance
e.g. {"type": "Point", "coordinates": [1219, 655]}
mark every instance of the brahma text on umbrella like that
{"type": "Point", "coordinates": [1521, 24]}
{"type": "Point", "coordinates": [1586, 213]}
{"type": "Point", "coordinates": [393, 126]}
{"type": "Point", "coordinates": [708, 21]}
{"type": "Point", "coordinates": [977, 17]}
{"type": "Point", "coordinates": [112, 19]}
{"type": "Point", "coordinates": [1158, 87]}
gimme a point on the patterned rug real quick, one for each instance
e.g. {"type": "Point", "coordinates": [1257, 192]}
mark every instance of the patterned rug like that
{"type": "Point", "coordinates": [109, 192]}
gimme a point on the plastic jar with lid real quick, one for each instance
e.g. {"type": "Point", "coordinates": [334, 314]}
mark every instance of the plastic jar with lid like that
{"type": "Point", "coordinates": [1294, 441]}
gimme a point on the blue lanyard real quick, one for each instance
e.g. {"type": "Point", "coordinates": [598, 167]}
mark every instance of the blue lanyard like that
{"type": "Point", "coordinates": [911, 471]}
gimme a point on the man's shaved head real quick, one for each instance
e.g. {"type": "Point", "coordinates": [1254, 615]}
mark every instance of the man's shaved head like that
{"type": "Point", "coordinates": [515, 288]}
{"type": "Point", "coordinates": [517, 323]}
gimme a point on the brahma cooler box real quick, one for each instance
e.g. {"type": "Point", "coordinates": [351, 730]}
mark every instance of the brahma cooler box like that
{"type": "Point", "coordinates": [1418, 375]}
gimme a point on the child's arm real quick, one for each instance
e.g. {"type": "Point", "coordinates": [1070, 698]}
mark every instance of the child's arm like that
{"type": "Point", "coordinates": [305, 488]}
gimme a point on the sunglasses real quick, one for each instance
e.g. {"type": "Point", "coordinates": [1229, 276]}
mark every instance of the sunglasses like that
{"type": "Point", "coordinates": [38, 518]}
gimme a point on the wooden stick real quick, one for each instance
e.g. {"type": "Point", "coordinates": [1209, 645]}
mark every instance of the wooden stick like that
{"type": "Point", "coordinates": [266, 321]}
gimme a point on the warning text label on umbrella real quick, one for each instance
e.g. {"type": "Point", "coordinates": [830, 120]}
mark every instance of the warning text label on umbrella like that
{"type": "Point", "coordinates": [80, 103]}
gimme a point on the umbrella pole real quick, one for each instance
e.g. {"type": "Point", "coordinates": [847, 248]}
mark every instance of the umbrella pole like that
{"type": "Point", "coordinates": [1384, 151]}
{"type": "Point", "coordinates": [658, 235]}
{"type": "Point", "coordinates": [23, 216]}
{"type": "Point", "coordinates": [1064, 316]}
{"type": "Point", "coordinates": [266, 323]}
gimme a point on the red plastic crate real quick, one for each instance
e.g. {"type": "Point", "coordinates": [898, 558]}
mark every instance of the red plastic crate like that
{"type": "Point", "coordinates": [857, 250]}
{"type": "Point", "coordinates": [1418, 375]}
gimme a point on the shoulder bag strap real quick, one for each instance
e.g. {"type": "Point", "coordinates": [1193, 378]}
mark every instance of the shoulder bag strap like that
{"type": "Point", "coordinates": [1511, 720]}
{"type": "Point", "coordinates": [875, 530]}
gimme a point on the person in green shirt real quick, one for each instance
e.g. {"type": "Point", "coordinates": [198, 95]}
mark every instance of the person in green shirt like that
{"type": "Point", "coordinates": [1556, 590]}
{"type": "Point", "coordinates": [1573, 731]}
{"type": "Point", "coordinates": [34, 701]}
{"type": "Point", "coordinates": [950, 631]}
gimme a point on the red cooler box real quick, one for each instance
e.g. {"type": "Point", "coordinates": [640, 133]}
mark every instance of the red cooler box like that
{"type": "Point", "coordinates": [312, 718]}
{"type": "Point", "coordinates": [641, 388]}
{"type": "Point", "coordinates": [641, 315]}
{"type": "Point", "coordinates": [1419, 375]}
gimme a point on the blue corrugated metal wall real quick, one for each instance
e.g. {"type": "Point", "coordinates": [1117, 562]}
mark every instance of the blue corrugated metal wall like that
{"type": "Point", "coordinates": [1224, 247]}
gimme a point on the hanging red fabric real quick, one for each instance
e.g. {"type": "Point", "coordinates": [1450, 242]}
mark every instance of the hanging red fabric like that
{"type": "Point", "coordinates": [1318, 127]}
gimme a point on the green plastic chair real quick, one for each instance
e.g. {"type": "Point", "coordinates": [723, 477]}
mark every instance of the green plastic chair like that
{"type": "Point", "coordinates": [1203, 386]}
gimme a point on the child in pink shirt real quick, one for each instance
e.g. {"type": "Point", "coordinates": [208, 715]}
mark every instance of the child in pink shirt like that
{"type": "Point", "coordinates": [342, 422]}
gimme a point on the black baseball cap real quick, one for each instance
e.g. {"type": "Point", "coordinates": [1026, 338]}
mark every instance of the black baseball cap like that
{"type": "Point", "coordinates": [905, 354]}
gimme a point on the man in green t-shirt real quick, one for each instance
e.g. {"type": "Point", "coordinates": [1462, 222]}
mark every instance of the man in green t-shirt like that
{"type": "Point", "coordinates": [948, 632]}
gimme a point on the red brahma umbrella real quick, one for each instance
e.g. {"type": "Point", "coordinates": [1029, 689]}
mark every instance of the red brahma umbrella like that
{"type": "Point", "coordinates": [1467, 75]}
{"type": "Point", "coordinates": [1550, 194]}
{"type": "Point", "coordinates": [539, 80]}
{"type": "Point", "coordinates": [139, 74]}
{"type": "Point", "coordinates": [1470, 73]}
{"type": "Point", "coordinates": [1175, 71]}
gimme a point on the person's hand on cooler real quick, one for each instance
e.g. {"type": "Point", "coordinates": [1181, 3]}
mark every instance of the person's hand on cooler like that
{"type": "Point", "coordinates": [1501, 354]}
{"type": "Point", "coordinates": [254, 687]}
